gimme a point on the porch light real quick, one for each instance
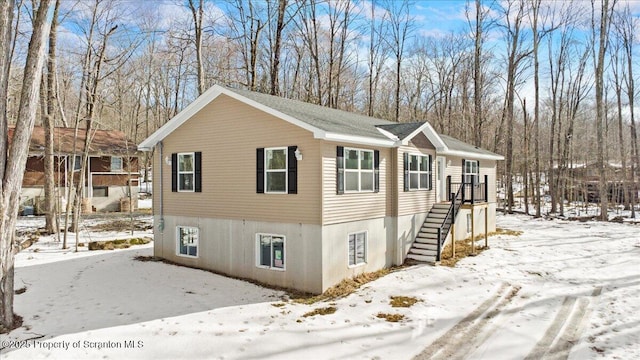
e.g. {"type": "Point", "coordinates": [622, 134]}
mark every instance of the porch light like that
{"type": "Point", "coordinates": [167, 160]}
{"type": "Point", "coordinates": [298, 154]}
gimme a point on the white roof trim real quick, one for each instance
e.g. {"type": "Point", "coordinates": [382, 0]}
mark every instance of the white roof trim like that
{"type": "Point", "coordinates": [433, 136]}
{"type": "Point", "coordinates": [388, 134]}
{"type": "Point", "coordinates": [471, 155]}
{"type": "Point", "coordinates": [215, 91]}
{"type": "Point", "coordinates": [360, 140]}
{"type": "Point", "coordinates": [415, 132]}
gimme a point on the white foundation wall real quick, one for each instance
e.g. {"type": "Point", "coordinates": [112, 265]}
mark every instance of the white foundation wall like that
{"type": "Point", "coordinates": [229, 247]}
{"type": "Point", "coordinates": [380, 248]}
{"type": "Point", "coordinates": [463, 228]}
{"type": "Point", "coordinates": [408, 228]}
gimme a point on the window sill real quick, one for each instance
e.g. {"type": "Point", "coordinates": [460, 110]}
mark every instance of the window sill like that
{"type": "Point", "coordinates": [270, 268]}
{"type": "Point", "coordinates": [187, 256]}
{"type": "Point", "coordinates": [357, 265]}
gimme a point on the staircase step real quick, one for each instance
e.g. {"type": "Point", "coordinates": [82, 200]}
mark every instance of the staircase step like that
{"type": "Point", "coordinates": [438, 215]}
{"type": "Point", "coordinates": [425, 252]}
{"type": "Point", "coordinates": [432, 220]}
{"type": "Point", "coordinates": [439, 210]}
{"type": "Point", "coordinates": [422, 258]}
{"type": "Point", "coordinates": [426, 240]}
{"type": "Point", "coordinates": [426, 246]}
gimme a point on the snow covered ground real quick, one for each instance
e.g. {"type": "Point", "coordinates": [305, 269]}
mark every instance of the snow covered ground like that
{"type": "Point", "coordinates": [532, 296]}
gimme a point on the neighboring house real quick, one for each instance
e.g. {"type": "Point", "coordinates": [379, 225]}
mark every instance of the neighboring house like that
{"type": "Point", "coordinates": [302, 196]}
{"type": "Point", "coordinates": [113, 166]}
{"type": "Point", "coordinates": [583, 182]}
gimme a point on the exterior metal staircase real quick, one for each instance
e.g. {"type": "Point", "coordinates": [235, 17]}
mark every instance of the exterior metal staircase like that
{"type": "Point", "coordinates": [425, 248]}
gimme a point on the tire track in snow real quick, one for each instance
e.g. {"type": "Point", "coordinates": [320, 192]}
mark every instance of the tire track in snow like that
{"type": "Point", "coordinates": [465, 335]}
{"type": "Point", "coordinates": [565, 330]}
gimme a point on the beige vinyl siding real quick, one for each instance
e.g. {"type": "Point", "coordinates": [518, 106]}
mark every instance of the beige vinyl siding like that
{"type": "Point", "coordinates": [487, 167]}
{"type": "Point", "coordinates": [228, 132]}
{"type": "Point", "coordinates": [351, 206]}
{"type": "Point", "coordinates": [415, 201]}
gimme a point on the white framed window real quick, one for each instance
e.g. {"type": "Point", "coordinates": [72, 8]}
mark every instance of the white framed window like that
{"type": "Point", "coordinates": [357, 244]}
{"type": "Point", "coordinates": [187, 238]}
{"type": "Point", "coordinates": [116, 163]}
{"type": "Point", "coordinates": [186, 171]}
{"type": "Point", "coordinates": [471, 171]}
{"type": "Point", "coordinates": [270, 251]}
{"type": "Point", "coordinates": [275, 179]}
{"type": "Point", "coordinates": [419, 172]}
{"type": "Point", "coordinates": [358, 170]}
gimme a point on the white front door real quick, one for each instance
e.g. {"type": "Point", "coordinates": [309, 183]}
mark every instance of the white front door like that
{"type": "Point", "coordinates": [441, 184]}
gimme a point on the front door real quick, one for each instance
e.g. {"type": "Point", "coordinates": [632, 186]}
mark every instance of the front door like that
{"type": "Point", "coordinates": [441, 184]}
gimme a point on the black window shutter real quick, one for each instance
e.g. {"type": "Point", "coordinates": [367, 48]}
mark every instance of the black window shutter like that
{"type": "Point", "coordinates": [463, 170]}
{"type": "Point", "coordinates": [406, 171]}
{"type": "Point", "coordinates": [260, 170]}
{"type": "Point", "coordinates": [198, 172]}
{"type": "Point", "coordinates": [340, 170]}
{"type": "Point", "coordinates": [292, 170]}
{"type": "Point", "coordinates": [376, 171]}
{"type": "Point", "coordinates": [430, 173]}
{"type": "Point", "coordinates": [174, 172]}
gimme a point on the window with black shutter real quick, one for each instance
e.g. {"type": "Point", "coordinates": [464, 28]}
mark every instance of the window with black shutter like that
{"type": "Point", "coordinates": [277, 170]}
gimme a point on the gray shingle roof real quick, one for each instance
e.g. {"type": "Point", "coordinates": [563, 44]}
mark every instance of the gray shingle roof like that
{"type": "Point", "coordinates": [457, 145]}
{"type": "Point", "coordinates": [324, 118]}
{"type": "Point", "coordinates": [401, 130]}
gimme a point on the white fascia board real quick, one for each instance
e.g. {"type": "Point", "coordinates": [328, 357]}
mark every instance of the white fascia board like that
{"type": "Point", "coordinates": [202, 101]}
{"type": "Point", "coordinates": [471, 155]}
{"type": "Point", "coordinates": [388, 134]}
{"type": "Point", "coordinates": [359, 140]}
{"type": "Point", "coordinates": [415, 132]}
{"type": "Point", "coordinates": [274, 112]}
{"type": "Point", "coordinates": [431, 135]}
{"type": "Point", "coordinates": [184, 115]}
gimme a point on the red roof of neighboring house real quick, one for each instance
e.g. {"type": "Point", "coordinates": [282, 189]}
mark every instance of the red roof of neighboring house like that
{"type": "Point", "coordinates": [103, 142]}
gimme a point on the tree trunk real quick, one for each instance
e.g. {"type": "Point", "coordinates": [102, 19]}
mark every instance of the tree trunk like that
{"type": "Point", "coordinates": [197, 22]}
{"type": "Point", "coordinates": [600, 108]}
{"type": "Point", "coordinates": [13, 171]}
{"type": "Point", "coordinates": [49, 124]}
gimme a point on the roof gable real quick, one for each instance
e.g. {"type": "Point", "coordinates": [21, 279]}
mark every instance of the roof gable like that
{"type": "Point", "coordinates": [325, 123]}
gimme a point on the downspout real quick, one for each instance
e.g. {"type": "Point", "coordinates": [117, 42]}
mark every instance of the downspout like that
{"type": "Point", "coordinates": [160, 200]}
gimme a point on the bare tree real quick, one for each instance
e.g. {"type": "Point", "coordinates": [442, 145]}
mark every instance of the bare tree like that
{"type": "Point", "coordinates": [51, 217]}
{"type": "Point", "coordinates": [626, 26]}
{"type": "Point", "coordinates": [401, 27]}
{"type": "Point", "coordinates": [198, 13]}
{"type": "Point", "coordinates": [514, 12]}
{"type": "Point", "coordinates": [599, 64]}
{"type": "Point", "coordinates": [13, 163]}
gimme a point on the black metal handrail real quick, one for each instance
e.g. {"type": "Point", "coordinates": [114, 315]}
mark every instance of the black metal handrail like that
{"type": "Point", "coordinates": [449, 219]}
{"type": "Point", "coordinates": [472, 192]}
